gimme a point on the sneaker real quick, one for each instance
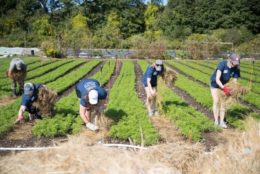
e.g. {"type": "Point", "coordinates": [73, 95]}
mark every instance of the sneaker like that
{"type": "Point", "coordinates": [223, 125]}
{"type": "Point", "coordinates": [30, 117]}
{"type": "Point", "coordinates": [156, 113]}
{"type": "Point", "coordinates": [92, 127]}
{"type": "Point", "coordinates": [151, 114]}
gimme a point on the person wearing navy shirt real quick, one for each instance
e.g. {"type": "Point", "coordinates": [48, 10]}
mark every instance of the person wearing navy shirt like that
{"type": "Point", "coordinates": [150, 83]}
{"type": "Point", "coordinates": [223, 73]}
{"type": "Point", "coordinates": [90, 93]}
{"type": "Point", "coordinates": [29, 96]}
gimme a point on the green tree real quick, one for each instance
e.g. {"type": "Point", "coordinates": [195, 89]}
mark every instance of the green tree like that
{"type": "Point", "coordinates": [110, 35]}
{"type": "Point", "coordinates": [78, 36]}
{"type": "Point", "coordinates": [150, 17]}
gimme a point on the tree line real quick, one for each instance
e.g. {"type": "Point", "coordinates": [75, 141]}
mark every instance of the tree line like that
{"type": "Point", "coordinates": [56, 25]}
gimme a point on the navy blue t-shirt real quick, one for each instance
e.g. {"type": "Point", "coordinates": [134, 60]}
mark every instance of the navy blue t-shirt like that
{"type": "Point", "coordinates": [84, 86]}
{"type": "Point", "coordinates": [226, 74]}
{"type": "Point", "coordinates": [150, 73]}
{"type": "Point", "coordinates": [28, 100]}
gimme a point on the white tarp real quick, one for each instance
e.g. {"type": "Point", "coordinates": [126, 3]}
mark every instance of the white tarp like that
{"type": "Point", "coordinates": [17, 50]}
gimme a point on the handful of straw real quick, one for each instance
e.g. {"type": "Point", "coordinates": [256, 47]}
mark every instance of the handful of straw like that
{"type": "Point", "coordinates": [169, 77]}
{"type": "Point", "coordinates": [45, 101]}
{"type": "Point", "coordinates": [236, 90]}
{"type": "Point", "coordinates": [18, 75]}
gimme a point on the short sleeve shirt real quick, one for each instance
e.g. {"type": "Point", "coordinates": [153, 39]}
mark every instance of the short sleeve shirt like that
{"type": "Point", "coordinates": [28, 100]}
{"type": "Point", "coordinates": [84, 86]}
{"type": "Point", "coordinates": [150, 73]}
{"type": "Point", "coordinates": [226, 74]}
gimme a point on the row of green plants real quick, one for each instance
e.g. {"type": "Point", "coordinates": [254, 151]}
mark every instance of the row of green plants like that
{"type": "Point", "coordinates": [9, 112]}
{"type": "Point", "coordinates": [70, 79]}
{"type": "Point", "coordinates": [191, 123]}
{"type": "Point", "coordinates": [48, 77]}
{"type": "Point", "coordinates": [5, 82]}
{"type": "Point", "coordinates": [39, 71]}
{"type": "Point", "coordinates": [128, 112]}
{"type": "Point", "coordinates": [202, 95]}
{"type": "Point", "coordinates": [60, 71]}
{"type": "Point", "coordinates": [251, 65]}
{"type": "Point", "coordinates": [66, 119]}
{"type": "Point", "coordinates": [247, 72]}
{"type": "Point", "coordinates": [250, 98]}
{"type": "Point", "coordinates": [209, 69]}
{"type": "Point", "coordinates": [39, 64]}
{"type": "Point", "coordinates": [5, 63]}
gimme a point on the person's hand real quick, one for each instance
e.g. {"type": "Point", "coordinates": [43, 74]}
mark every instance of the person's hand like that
{"type": "Point", "coordinates": [19, 118]}
{"type": "Point", "coordinates": [153, 92]}
{"type": "Point", "coordinates": [227, 91]}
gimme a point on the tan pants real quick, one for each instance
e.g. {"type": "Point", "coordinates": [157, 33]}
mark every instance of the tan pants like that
{"type": "Point", "coordinates": [150, 100]}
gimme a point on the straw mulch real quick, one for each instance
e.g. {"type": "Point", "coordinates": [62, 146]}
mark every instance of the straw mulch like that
{"type": "Point", "coordinates": [169, 77]}
{"type": "Point", "coordinates": [237, 90]}
{"type": "Point", "coordinates": [45, 101]}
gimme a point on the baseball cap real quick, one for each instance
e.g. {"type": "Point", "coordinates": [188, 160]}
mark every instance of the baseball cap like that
{"type": "Point", "coordinates": [28, 88]}
{"type": "Point", "coordinates": [158, 62]}
{"type": "Point", "coordinates": [235, 58]}
{"type": "Point", "coordinates": [93, 97]}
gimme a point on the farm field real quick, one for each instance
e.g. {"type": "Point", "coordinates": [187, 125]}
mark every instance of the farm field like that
{"type": "Point", "coordinates": [185, 109]}
{"type": "Point", "coordinates": [129, 115]}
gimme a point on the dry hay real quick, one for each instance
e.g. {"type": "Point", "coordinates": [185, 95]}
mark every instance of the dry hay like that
{"type": "Point", "coordinates": [78, 157]}
{"type": "Point", "coordinates": [241, 154]}
{"type": "Point", "coordinates": [169, 77]}
{"type": "Point", "coordinates": [237, 90]}
{"type": "Point", "coordinates": [45, 101]}
{"type": "Point", "coordinates": [99, 119]}
{"type": "Point", "coordinates": [17, 75]}
{"type": "Point", "coordinates": [167, 130]}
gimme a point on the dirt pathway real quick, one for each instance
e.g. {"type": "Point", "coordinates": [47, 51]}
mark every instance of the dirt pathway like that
{"type": "Point", "coordinates": [167, 131]}
{"type": "Point", "coordinates": [5, 100]}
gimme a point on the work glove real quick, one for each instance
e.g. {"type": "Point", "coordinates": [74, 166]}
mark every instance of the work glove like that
{"type": "Point", "coordinates": [227, 91]}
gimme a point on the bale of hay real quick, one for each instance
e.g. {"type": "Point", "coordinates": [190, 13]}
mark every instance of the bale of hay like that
{"type": "Point", "coordinates": [45, 101]}
{"type": "Point", "coordinates": [169, 76]}
{"type": "Point", "coordinates": [236, 90]}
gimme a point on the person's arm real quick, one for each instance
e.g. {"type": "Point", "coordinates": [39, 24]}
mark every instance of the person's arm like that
{"type": "Point", "coordinates": [218, 75]}
{"type": "Point", "coordinates": [84, 114]}
{"type": "Point", "coordinates": [20, 112]}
